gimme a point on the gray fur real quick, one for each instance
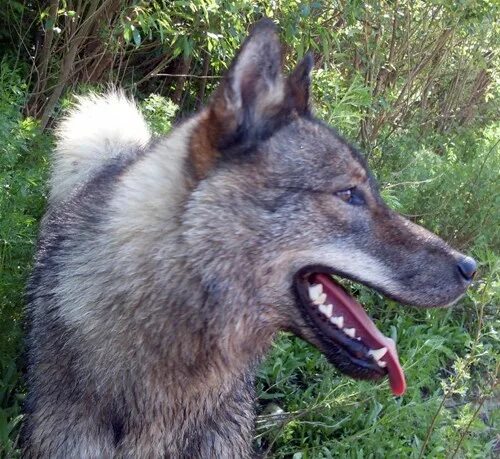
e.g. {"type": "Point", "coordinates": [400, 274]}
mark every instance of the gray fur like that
{"type": "Point", "coordinates": [158, 287]}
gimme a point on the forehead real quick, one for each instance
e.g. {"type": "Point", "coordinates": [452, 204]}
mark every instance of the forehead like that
{"type": "Point", "coordinates": [311, 154]}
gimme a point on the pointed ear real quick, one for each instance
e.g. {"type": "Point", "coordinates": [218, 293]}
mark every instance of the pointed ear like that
{"type": "Point", "coordinates": [251, 94]}
{"type": "Point", "coordinates": [299, 85]}
{"type": "Point", "coordinates": [254, 81]}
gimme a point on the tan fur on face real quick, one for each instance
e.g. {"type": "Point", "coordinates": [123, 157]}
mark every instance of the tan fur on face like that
{"type": "Point", "coordinates": [203, 153]}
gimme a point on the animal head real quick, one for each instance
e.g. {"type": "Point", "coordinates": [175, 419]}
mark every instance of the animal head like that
{"type": "Point", "coordinates": [281, 202]}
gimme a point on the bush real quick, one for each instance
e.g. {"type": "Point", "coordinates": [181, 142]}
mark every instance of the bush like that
{"type": "Point", "coordinates": [23, 171]}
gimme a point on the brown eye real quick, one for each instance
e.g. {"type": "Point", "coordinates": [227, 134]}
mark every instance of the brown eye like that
{"type": "Point", "coordinates": [345, 195]}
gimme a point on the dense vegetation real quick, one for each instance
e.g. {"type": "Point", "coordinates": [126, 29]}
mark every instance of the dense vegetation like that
{"type": "Point", "coordinates": [414, 83]}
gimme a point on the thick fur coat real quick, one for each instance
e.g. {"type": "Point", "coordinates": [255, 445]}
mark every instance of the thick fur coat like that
{"type": "Point", "coordinates": [165, 267]}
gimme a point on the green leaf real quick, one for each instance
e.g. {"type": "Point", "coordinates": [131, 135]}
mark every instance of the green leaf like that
{"type": "Point", "coordinates": [137, 37]}
{"type": "Point", "coordinates": [127, 33]}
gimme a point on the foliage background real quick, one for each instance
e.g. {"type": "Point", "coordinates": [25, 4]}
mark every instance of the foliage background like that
{"type": "Point", "coordinates": [414, 83]}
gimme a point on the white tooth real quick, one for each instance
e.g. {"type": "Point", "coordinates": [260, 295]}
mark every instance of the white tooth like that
{"type": "Point", "coordinates": [320, 299]}
{"type": "Point", "coordinates": [338, 321]}
{"type": "Point", "coordinates": [315, 291]}
{"type": "Point", "coordinates": [381, 363]}
{"type": "Point", "coordinates": [377, 353]}
{"type": "Point", "coordinates": [350, 332]}
{"type": "Point", "coordinates": [326, 309]}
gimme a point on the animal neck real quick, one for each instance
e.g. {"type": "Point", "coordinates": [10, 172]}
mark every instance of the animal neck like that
{"type": "Point", "coordinates": [198, 368]}
{"type": "Point", "coordinates": [212, 331]}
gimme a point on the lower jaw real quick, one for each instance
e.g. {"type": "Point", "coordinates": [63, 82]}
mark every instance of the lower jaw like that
{"type": "Point", "coordinates": [343, 358]}
{"type": "Point", "coordinates": [345, 347]}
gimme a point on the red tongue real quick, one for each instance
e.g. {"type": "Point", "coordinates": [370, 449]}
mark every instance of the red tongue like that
{"type": "Point", "coordinates": [355, 316]}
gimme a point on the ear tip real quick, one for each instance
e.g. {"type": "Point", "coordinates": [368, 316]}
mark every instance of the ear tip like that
{"type": "Point", "coordinates": [308, 60]}
{"type": "Point", "coordinates": [264, 25]}
{"type": "Point", "coordinates": [304, 67]}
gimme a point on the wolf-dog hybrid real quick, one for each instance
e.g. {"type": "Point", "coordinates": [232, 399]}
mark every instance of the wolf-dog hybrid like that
{"type": "Point", "coordinates": [165, 267]}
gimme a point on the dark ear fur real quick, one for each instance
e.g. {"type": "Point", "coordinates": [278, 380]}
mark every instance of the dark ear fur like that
{"type": "Point", "coordinates": [299, 85]}
{"type": "Point", "coordinates": [251, 103]}
{"type": "Point", "coordinates": [253, 89]}
{"type": "Point", "coordinates": [255, 73]}
{"type": "Point", "coordinates": [251, 94]}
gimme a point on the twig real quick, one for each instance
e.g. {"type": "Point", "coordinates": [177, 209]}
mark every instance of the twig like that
{"type": "Point", "coordinates": [433, 423]}
{"type": "Point", "coordinates": [394, 185]}
{"type": "Point", "coordinates": [155, 71]}
{"type": "Point", "coordinates": [185, 75]}
{"type": "Point", "coordinates": [78, 38]}
{"type": "Point", "coordinates": [464, 431]}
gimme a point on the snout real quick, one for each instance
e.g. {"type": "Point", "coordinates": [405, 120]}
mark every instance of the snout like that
{"type": "Point", "coordinates": [467, 268]}
{"type": "Point", "coordinates": [428, 272]}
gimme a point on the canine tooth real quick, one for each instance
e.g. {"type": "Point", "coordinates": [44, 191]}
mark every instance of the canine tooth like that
{"type": "Point", "coordinates": [381, 363]}
{"type": "Point", "coordinates": [377, 353]}
{"type": "Point", "coordinates": [326, 309]}
{"type": "Point", "coordinates": [338, 321]}
{"type": "Point", "coordinates": [320, 300]}
{"type": "Point", "coordinates": [350, 332]}
{"type": "Point", "coordinates": [315, 291]}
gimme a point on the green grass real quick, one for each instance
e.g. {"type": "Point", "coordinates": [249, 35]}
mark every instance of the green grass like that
{"type": "Point", "coordinates": [306, 408]}
{"type": "Point", "coordinates": [23, 168]}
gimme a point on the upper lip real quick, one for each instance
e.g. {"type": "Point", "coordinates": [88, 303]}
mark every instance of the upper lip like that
{"type": "Point", "coordinates": [409, 301]}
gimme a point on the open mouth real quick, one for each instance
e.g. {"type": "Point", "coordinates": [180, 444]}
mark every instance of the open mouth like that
{"type": "Point", "coordinates": [346, 334]}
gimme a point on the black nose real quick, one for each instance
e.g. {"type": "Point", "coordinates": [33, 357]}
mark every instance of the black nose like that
{"type": "Point", "coordinates": [467, 267]}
